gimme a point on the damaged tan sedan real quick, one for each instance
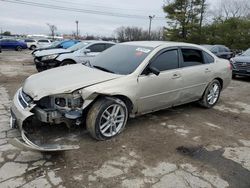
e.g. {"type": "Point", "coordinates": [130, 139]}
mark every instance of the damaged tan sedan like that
{"type": "Point", "coordinates": [127, 80]}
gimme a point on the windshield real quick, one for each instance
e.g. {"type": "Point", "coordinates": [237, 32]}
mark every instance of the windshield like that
{"type": "Point", "coordinates": [55, 44]}
{"type": "Point", "coordinates": [121, 59]}
{"type": "Point", "coordinates": [247, 53]}
{"type": "Point", "coordinates": [78, 46]}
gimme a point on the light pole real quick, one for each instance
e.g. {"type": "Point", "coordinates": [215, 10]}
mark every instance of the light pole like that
{"type": "Point", "coordinates": [150, 23]}
{"type": "Point", "coordinates": [77, 31]}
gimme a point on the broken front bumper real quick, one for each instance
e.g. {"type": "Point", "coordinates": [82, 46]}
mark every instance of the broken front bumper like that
{"type": "Point", "coordinates": [20, 113]}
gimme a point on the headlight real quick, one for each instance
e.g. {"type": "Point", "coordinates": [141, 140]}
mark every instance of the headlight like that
{"type": "Point", "coordinates": [72, 101]}
{"type": "Point", "coordinates": [49, 57]}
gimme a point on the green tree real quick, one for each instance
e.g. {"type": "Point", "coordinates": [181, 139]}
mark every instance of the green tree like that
{"type": "Point", "coordinates": [7, 33]}
{"type": "Point", "coordinates": [185, 19]}
{"type": "Point", "coordinates": [232, 32]}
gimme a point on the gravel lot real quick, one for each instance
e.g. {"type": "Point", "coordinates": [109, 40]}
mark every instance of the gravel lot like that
{"type": "Point", "coordinates": [185, 146]}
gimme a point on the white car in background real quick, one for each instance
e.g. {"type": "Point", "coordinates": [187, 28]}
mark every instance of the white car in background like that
{"type": "Point", "coordinates": [43, 43]}
{"type": "Point", "coordinates": [31, 43]}
{"type": "Point", "coordinates": [78, 53]}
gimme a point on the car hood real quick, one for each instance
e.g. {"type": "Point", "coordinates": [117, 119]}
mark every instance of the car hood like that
{"type": "Point", "coordinates": [51, 51]}
{"type": "Point", "coordinates": [64, 79]}
{"type": "Point", "coordinates": [243, 59]}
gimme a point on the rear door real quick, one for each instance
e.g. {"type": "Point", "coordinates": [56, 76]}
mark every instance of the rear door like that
{"type": "Point", "coordinates": [196, 70]}
{"type": "Point", "coordinates": [156, 92]}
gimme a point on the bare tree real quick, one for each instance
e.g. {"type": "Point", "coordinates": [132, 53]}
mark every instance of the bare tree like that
{"type": "Point", "coordinates": [137, 34]}
{"type": "Point", "coordinates": [52, 29]}
{"type": "Point", "coordinates": [235, 8]}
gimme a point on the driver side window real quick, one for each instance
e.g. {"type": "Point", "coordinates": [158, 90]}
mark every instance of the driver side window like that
{"type": "Point", "coordinates": [167, 60]}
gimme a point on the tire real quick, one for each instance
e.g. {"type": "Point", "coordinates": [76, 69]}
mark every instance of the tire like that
{"type": "Point", "coordinates": [233, 76]}
{"type": "Point", "coordinates": [67, 62]}
{"type": "Point", "coordinates": [33, 47]}
{"type": "Point", "coordinates": [213, 92]}
{"type": "Point", "coordinates": [19, 48]}
{"type": "Point", "coordinates": [102, 123]}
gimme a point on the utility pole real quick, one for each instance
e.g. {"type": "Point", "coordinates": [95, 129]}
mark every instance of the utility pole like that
{"type": "Point", "coordinates": [77, 31]}
{"type": "Point", "coordinates": [150, 23]}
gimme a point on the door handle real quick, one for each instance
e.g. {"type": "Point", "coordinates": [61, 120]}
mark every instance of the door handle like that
{"type": "Point", "coordinates": [175, 76]}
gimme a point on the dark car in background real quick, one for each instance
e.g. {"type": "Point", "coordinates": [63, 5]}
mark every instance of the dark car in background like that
{"type": "Point", "coordinates": [13, 44]}
{"type": "Point", "coordinates": [59, 44]}
{"type": "Point", "coordinates": [220, 51]}
{"type": "Point", "coordinates": [241, 64]}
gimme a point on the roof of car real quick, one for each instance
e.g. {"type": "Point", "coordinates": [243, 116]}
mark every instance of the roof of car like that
{"type": "Point", "coordinates": [155, 44]}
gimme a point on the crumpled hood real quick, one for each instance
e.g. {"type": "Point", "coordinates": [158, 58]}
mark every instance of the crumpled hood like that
{"type": "Point", "coordinates": [243, 59]}
{"type": "Point", "coordinates": [51, 52]}
{"type": "Point", "coordinates": [64, 79]}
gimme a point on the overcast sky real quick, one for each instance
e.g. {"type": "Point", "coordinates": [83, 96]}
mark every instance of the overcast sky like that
{"type": "Point", "coordinates": [24, 19]}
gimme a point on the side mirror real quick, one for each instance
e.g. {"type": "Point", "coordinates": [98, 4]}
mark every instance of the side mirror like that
{"type": "Point", "coordinates": [86, 51]}
{"type": "Point", "coordinates": [153, 70]}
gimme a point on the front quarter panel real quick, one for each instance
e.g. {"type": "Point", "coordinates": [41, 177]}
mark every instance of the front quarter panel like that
{"type": "Point", "coordinates": [125, 86]}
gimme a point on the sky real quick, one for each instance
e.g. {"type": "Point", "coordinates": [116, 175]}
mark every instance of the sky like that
{"type": "Point", "coordinates": [25, 19]}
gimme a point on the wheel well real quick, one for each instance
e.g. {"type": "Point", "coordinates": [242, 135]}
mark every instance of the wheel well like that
{"type": "Point", "coordinates": [71, 60]}
{"type": "Point", "coordinates": [221, 82]}
{"type": "Point", "coordinates": [126, 100]}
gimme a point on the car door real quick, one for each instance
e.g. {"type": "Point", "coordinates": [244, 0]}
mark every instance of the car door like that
{"type": "Point", "coordinates": [156, 92]}
{"type": "Point", "coordinates": [196, 73]}
{"type": "Point", "coordinates": [3, 44]}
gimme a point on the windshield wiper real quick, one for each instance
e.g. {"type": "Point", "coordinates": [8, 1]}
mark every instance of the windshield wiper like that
{"type": "Point", "coordinates": [103, 69]}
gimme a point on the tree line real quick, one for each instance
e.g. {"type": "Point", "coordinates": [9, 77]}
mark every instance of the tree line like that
{"type": "Point", "coordinates": [195, 21]}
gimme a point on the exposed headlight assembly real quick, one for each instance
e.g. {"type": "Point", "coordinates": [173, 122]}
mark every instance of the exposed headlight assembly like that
{"type": "Point", "coordinates": [49, 57]}
{"type": "Point", "coordinates": [72, 101]}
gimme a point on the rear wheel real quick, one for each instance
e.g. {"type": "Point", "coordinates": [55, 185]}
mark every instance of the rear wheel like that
{"type": "Point", "coordinates": [107, 118]}
{"type": "Point", "coordinates": [19, 48]}
{"type": "Point", "coordinates": [211, 95]}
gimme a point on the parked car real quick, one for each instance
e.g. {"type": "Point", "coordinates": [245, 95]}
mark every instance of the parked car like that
{"type": "Point", "coordinates": [220, 51]}
{"type": "Point", "coordinates": [78, 53]}
{"type": "Point", "coordinates": [43, 43]}
{"type": "Point", "coordinates": [127, 80]}
{"type": "Point", "coordinates": [31, 43]}
{"type": "Point", "coordinates": [59, 44]}
{"type": "Point", "coordinates": [13, 44]}
{"type": "Point", "coordinates": [241, 64]}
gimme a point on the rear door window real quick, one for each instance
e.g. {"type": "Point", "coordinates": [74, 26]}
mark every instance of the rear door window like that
{"type": "Point", "coordinates": [97, 48]}
{"type": "Point", "coordinates": [167, 60]}
{"type": "Point", "coordinates": [192, 57]}
{"type": "Point", "coordinates": [43, 41]}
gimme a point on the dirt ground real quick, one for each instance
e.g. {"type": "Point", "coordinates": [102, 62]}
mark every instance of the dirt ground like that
{"type": "Point", "coordinates": [187, 146]}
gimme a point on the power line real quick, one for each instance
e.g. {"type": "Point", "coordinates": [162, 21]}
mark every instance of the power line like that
{"type": "Point", "coordinates": [103, 7]}
{"type": "Point", "coordinates": [87, 11]}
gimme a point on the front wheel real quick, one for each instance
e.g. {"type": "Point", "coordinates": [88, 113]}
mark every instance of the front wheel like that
{"type": "Point", "coordinates": [107, 118]}
{"type": "Point", "coordinates": [211, 94]}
